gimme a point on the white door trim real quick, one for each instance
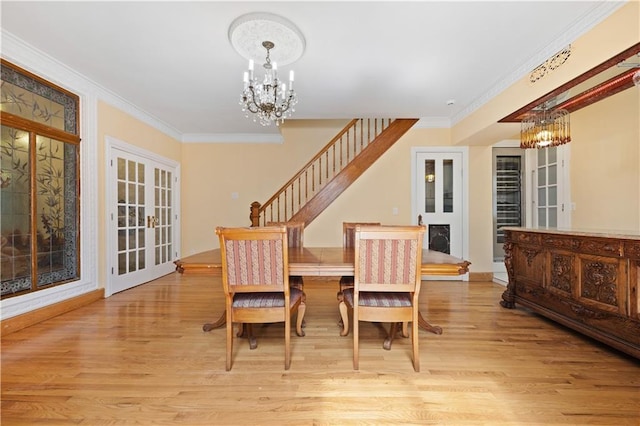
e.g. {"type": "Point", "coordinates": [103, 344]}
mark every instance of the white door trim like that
{"type": "Point", "coordinates": [464, 151]}
{"type": "Point", "coordinates": [112, 144]}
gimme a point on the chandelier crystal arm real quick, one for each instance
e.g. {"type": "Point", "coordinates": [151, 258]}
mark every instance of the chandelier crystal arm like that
{"type": "Point", "coordinates": [270, 100]}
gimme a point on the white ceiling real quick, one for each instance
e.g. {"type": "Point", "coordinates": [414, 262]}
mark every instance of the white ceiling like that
{"type": "Point", "coordinates": [174, 61]}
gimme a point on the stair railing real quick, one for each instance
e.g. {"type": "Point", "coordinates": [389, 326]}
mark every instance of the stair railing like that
{"type": "Point", "coordinates": [327, 163]}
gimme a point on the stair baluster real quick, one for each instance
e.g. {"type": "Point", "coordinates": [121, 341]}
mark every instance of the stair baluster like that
{"type": "Point", "coordinates": [330, 171]}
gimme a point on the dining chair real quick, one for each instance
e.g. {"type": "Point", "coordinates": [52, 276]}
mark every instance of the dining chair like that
{"type": "Point", "coordinates": [346, 281]}
{"type": "Point", "coordinates": [386, 281]}
{"type": "Point", "coordinates": [295, 235]}
{"type": "Point", "coordinates": [348, 241]}
{"type": "Point", "coordinates": [255, 263]}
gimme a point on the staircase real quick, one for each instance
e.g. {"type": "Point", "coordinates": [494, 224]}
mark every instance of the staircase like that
{"type": "Point", "coordinates": [331, 171]}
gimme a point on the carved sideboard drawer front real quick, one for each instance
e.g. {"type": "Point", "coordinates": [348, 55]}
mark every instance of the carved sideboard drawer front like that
{"type": "Point", "coordinates": [526, 238]}
{"type": "Point", "coordinates": [561, 242]}
{"type": "Point", "coordinates": [632, 249]}
{"type": "Point", "coordinates": [601, 247]}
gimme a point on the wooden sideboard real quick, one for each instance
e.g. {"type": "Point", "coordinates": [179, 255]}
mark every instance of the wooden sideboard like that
{"type": "Point", "coordinates": [585, 281]}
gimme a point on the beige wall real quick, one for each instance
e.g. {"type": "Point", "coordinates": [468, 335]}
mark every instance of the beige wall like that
{"type": "Point", "coordinates": [211, 172]}
{"type": "Point", "coordinates": [481, 209]}
{"type": "Point", "coordinates": [605, 159]}
{"type": "Point", "coordinates": [117, 124]}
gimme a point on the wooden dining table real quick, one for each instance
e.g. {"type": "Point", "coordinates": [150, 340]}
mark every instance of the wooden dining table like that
{"type": "Point", "coordinates": [327, 262]}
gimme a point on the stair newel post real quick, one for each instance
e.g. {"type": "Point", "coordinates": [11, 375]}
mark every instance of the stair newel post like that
{"type": "Point", "coordinates": [255, 214]}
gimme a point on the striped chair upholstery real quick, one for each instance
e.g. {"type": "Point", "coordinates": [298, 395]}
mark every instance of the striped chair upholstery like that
{"type": "Point", "coordinates": [255, 281]}
{"type": "Point", "coordinates": [386, 281]}
{"type": "Point", "coordinates": [372, 299]}
{"type": "Point", "coordinates": [346, 281]}
{"type": "Point", "coordinates": [295, 235]}
{"type": "Point", "coordinates": [348, 241]}
{"type": "Point", "coordinates": [254, 262]}
{"type": "Point", "coordinates": [251, 263]}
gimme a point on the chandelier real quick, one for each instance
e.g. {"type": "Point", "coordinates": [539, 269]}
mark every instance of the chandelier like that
{"type": "Point", "coordinates": [269, 99]}
{"type": "Point", "coordinates": [545, 128]}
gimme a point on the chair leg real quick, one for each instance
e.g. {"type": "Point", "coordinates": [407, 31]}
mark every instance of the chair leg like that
{"type": "Point", "coordinates": [302, 308]}
{"type": "Point", "coordinates": [392, 334]}
{"type": "Point", "coordinates": [287, 342]}
{"type": "Point", "coordinates": [344, 314]}
{"type": "Point", "coordinates": [297, 282]}
{"type": "Point", "coordinates": [415, 346]}
{"type": "Point", "coordinates": [405, 329]}
{"type": "Point", "coordinates": [303, 323]}
{"type": "Point", "coordinates": [253, 343]}
{"type": "Point", "coordinates": [229, 344]}
{"type": "Point", "coordinates": [242, 330]}
{"type": "Point", "coordinates": [356, 349]}
{"type": "Point", "coordinates": [340, 297]}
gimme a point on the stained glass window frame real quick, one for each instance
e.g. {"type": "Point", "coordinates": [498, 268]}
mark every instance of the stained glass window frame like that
{"type": "Point", "coordinates": [21, 83]}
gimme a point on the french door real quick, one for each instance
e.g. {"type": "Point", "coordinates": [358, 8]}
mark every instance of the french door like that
{"type": "Point", "coordinates": [439, 200]}
{"type": "Point", "coordinates": [550, 205]}
{"type": "Point", "coordinates": [142, 219]}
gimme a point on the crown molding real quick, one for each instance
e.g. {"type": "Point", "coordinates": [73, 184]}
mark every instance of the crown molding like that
{"type": "Point", "coordinates": [232, 138]}
{"type": "Point", "coordinates": [34, 60]}
{"type": "Point", "coordinates": [433, 123]}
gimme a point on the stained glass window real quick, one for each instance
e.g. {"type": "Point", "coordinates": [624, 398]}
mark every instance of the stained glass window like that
{"type": "Point", "coordinates": [40, 183]}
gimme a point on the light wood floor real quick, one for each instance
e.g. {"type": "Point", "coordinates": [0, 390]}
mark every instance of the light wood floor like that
{"type": "Point", "coordinates": [141, 357]}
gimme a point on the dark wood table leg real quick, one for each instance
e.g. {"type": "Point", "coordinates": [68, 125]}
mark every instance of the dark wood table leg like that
{"type": "Point", "coordinates": [220, 322]}
{"type": "Point", "coordinates": [426, 326]}
{"type": "Point", "coordinates": [243, 330]}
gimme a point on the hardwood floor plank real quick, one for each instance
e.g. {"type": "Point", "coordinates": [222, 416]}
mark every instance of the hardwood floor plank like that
{"type": "Point", "coordinates": [141, 357]}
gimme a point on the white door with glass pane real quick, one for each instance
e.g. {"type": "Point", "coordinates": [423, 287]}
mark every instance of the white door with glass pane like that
{"type": "Point", "coordinates": [439, 196]}
{"type": "Point", "coordinates": [142, 219]}
{"type": "Point", "coordinates": [550, 205]}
